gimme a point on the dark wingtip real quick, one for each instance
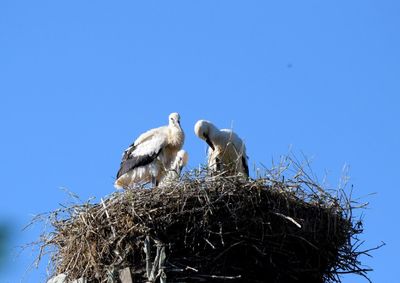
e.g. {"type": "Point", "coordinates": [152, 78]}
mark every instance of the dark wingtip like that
{"type": "Point", "coordinates": [136, 161]}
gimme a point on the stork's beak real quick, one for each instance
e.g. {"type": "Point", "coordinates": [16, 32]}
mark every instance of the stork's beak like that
{"type": "Point", "coordinates": [209, 143]}
{"type": "Point", "coordinates": [180, 169]}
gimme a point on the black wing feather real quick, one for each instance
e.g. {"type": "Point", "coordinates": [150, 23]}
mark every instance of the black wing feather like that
{"type": "Point", "coordinates": [131, 162]}
{"type": "Point", "coordinates": [128, 152]}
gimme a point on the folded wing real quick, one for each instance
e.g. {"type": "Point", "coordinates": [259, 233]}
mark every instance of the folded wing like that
{"type": "Point", "coordinates": [143, 151]}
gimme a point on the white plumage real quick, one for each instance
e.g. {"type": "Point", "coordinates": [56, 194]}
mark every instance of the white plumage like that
{"type": "Point", "coordinates": [226, 152]}
{"type": "Point", "coordinates": [180, 161]}
{"type": "Point", "coordinates": [151, 155]}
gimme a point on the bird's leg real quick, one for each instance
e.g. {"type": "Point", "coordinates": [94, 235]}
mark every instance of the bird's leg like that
{"type": "Point", "coordinates": [153, 181]}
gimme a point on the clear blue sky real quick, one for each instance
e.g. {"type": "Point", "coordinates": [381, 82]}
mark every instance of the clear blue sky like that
{"type": "Point", "coordinates": [80, 80]}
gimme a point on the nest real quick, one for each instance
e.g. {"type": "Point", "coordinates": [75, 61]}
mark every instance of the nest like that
{"type": "Point", "coordinates": [209, 229]}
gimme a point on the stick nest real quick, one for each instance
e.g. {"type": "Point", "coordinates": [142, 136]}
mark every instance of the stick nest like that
{"type": "Point", "coordinates": [213, 229]}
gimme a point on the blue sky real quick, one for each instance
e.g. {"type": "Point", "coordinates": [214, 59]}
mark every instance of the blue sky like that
{"type": "Point", "coordinates": [80, 80]}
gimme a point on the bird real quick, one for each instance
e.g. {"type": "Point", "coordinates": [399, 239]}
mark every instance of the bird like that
{"type": "Point", "coordinates": [180, 161]}
{"type": "Point", "coordinates": [151, 155]}
{"type": "Point", "coordinates": [226, 152]}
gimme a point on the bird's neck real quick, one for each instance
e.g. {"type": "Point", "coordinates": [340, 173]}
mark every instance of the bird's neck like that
{"type": "Point", "coordinates": [176, 137]}
{"type": "Point", "coordinates": [214, 133]}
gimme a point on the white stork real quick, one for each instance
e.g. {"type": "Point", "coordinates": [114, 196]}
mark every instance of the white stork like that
{"type": "Point", "coordinates": [180, 161]}
{"type": "Point", "coordinates": [151, 155]}
{"type": "Point", "coordinates": [226, 152]}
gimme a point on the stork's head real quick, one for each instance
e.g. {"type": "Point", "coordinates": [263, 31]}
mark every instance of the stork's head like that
{"type": "Point", "coordinates": [202, 129]}
{"type": "Point", "coordinates": [174, 120]}
{"type": "Point", "coordinates": [181, 160]}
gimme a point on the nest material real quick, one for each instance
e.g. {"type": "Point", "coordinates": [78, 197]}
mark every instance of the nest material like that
{"type": "Point", "coordinates": [212, 229]}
